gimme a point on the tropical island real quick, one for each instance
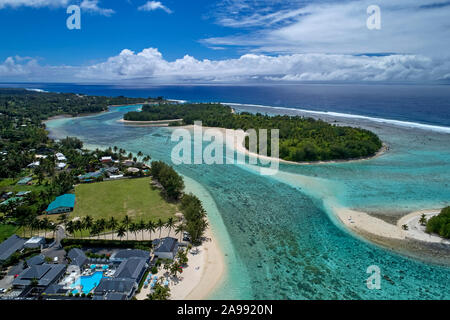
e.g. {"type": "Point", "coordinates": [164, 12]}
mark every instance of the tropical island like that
{"type": "Point", "coordinates": [87, 216]}
{"type": "Point", "coordinates": [301, 139]}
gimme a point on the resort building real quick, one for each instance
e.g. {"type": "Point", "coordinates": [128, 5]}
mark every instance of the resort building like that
{"type": "Point", "coordinates": [133, 269]}
{"type": "Point", "coordinates": [166, 248]}
{"type": "Point", "coordinates": [23, 194]}
{"type": "Point", "coordinates": [35, 261]}
{"type": "Point", "coordinates": [45, 275]}
{"type": "Point", "coordinates": [115, 289]}
{"type": "Point", "coordinates": [34, 165]}
{"type": "Point", "coordinates": [10, 246]}
{"type": "Point", "coordinates": [35, 242]}
{"type": "Point", "coordinates": [11, 200]}
{"type": "Point", "coordinates": [123, 255]}
{"type": "Point", "coordinates": [77, 257]}
{"type": "Point", "coordinates": [91, 176]}
{"type": "Point", "coordinates": [62, 204]}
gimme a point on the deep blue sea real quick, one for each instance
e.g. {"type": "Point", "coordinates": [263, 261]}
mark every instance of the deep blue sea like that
{"type": "Point", "coordinates": [417, 103]}
{"type": "Point", "coordinates": [279, 234]}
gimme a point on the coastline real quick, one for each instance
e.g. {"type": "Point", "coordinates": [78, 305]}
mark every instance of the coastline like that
{"type": "Point", "coordinates": [239, 146]}
{"type": "Point", "coordinates": [414, 242]}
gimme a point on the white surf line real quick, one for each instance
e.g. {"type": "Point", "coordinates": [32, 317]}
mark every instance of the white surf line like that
{"type": "Point", "coordinates": [353, 116]}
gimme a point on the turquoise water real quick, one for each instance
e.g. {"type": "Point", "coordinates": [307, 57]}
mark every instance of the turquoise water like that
{"type": "Point", "coordinates": [88, 283]}
{"type": "Point", "coordinates": [279, 236]}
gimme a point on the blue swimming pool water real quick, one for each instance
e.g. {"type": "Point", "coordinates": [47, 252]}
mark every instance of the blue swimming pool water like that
{"type": "Point", "coordinates": [88, 282]}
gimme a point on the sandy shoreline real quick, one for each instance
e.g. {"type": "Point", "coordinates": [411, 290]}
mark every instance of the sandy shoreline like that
{"type": "Point", "coordinates": [239, 145]}
{"type": "Point", "coordinates": [363, 223]}
{"type": "Point", "coordinates": [157, 123]}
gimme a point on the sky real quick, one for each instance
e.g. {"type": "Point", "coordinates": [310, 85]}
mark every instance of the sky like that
{"type": "Point", "coordinates": [224, 41]}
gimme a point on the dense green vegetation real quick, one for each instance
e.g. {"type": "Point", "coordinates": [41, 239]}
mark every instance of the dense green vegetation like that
{"type": "Point", "coordinates": [301, 139]}
{"type": "Point", "coordinates": [169, 179]}
{"type": "Point", "coordinates": [440, 224]}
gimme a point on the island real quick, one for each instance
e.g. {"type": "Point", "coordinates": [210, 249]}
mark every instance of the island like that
{"type": "Point", "coordinates": [301, 139]}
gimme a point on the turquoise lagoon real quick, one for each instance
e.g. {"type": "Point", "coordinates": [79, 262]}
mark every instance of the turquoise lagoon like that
{"type": "Point", "coordinates": [279, 237]}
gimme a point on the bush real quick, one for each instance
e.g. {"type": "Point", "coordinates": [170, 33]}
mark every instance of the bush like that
{"type": "Point", "coordinates": [440, 224]}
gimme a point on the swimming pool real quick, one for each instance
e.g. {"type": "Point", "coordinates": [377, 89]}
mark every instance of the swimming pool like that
{"type": "Point", "coordinates": [88, 282]}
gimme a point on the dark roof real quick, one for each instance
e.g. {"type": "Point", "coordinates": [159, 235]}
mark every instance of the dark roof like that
{"type": "Point", "coordinates": [131, 253]}
{"type": "Point", "coordinates": [114, 285]}
{"type": "Point", "coordinates": [77, 257]}
{"type": "Point", "coordinates": [55, 289]}
{"type": "Point", "coordinates": [46, 274]}
{"type": "Point", "coordinates": [115, 296]}
{"type": "Point", "coordinates": [167, 245]}
{"type": "Point", "coordinates": [36, 260]}
{"type": "Point", "coordinates": [130, 269]}
{"type": "Point", "coordinates": [10, 246]}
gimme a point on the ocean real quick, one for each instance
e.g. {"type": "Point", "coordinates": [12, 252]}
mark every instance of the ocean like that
{"type": "Point", "coordinates": [280, 238]}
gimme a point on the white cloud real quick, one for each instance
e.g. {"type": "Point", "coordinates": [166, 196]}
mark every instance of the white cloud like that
{"type": "Point", "coordinates": [149, 66]}
{"type": "Point", "coordinates": [33, 3]}
{"type": "Point", "coordinates": [154, 5]}
{"type": "Point", "coordinates": [337, 27]}
{"type": "Point", "coordinates": [92, 6]}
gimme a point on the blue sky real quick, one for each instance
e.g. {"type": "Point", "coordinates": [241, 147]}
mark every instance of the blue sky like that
{"type": "Point", "coordinates": [224, 41]}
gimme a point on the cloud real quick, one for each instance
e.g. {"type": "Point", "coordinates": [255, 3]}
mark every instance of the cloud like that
{"type": "Point", "coordinates": [149, 66]}
{"type": "Point", "coordinates": [92, 6]}
{"type": "Point", "coordinates": [154, 5]}
{"type": "Point", "coordinates": [336, 27]}
{"type": "Point", "coordinates": [33, 3]}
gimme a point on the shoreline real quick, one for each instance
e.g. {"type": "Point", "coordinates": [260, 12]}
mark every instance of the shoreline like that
{"type": "Point", "coordinates": [364, 223]}
{"type": "Point", "coordinates": [239, 146]}
{"type": "Point", "coordinates": [156, 123]}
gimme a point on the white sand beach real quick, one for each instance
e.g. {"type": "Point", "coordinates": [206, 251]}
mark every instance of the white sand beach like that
{"type": "Point", "coordinates": [204, 272]}
{"type": "Point", "coordinates": [361, 222]}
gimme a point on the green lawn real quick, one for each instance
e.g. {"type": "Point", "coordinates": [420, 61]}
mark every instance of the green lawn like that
{"type": "Point", "coordinates": [132, 197]}
{"type": "Point", "coordinates": [6, 231]}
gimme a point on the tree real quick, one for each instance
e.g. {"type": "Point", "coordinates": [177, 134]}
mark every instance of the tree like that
{"type": "Point", "coordinates": [151, 227]}
{"type": "Point", "coordinates": [170, 224]}
{"type": "Point", "coordinates": [180, 230]}
{"type": "Point", "coordinates": [142, 226]}
{"type": "Point", "coordinates": [423, 220]}
{"type": "Point", "coordinates": [126, 222]}
{"type": "Point", "coordinates": [159, 293]}
{"type": "Point", "coordinates": [121, 232]}
{"type": "Point", "coordinates": [112, 225]}
{"type": "Point", "coordinates": [160, 225]}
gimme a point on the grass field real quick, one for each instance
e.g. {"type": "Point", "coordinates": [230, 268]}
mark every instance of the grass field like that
{"type": "Point", "coordinates": [132, 197]}
{"type": "Point", "coordinates": [6, 231]}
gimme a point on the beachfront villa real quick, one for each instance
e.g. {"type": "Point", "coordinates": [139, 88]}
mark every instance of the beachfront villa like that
{"type": "Point", "coordinates": [62, 204]}
{"type": "Point", "coordinates": [166, 248]}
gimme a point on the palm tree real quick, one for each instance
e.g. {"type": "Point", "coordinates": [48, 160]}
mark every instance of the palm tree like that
{"type": "Point", "coordinates": [112, 224]}
{"type": "Point", "coordinates": [160, 225]}
{"type": "Point", "coordinates": [140, 154]}
{"type": "Point", "coordinates": [151, 227]}
{"type": "Point", "coordinates": [102, 225]}
{"type": "Point", "coordinates": [141, 227]}
{"type": "Point", "coordinates": [121, 232]}
{"type": "Point", "coordinates": [179, 230]}
{"type": "Point", "coordinates": [134, 229]}
{"type": "Point", "coordinates": [70, 228]}
{"type": "Point", "coordinates": [45, 224]}
{"type": "Point", "coordinates": [78, 227]}
{"type": "Point", "coordinates": [170, 224]}
{"type": "Point", "coordinates": [126, 221]}
{"type": "Point", "coordinates": [87, 223]}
